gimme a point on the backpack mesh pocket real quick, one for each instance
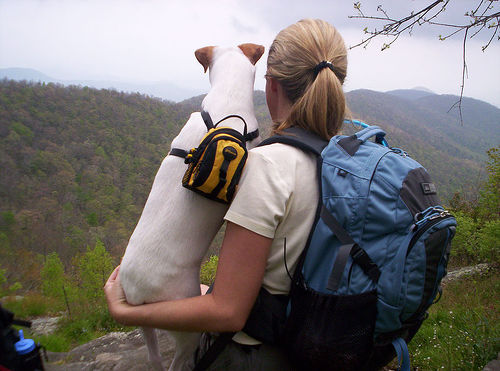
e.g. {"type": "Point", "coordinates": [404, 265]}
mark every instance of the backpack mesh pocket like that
{"type": "Point", "coordinates": [330, 332]}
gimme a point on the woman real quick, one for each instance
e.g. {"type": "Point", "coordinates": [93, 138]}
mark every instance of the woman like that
{"type": "Point", "coordinates": [306, 68]}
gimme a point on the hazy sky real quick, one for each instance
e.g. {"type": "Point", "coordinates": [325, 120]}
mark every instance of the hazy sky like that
{"type": "Point", "coordinates": [155, 40]}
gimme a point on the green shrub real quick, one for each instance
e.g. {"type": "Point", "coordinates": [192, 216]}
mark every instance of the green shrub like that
{"type": "Point", "coordinates": [464, 243]}
{"type": "Point", "coordinates": [476, 241]}
{"type": "Point", "coordinates": [52, 275]}
{"type": "Point", "coordinates": [94, 268]}
{"type": "Point", "coordinates": [489, 242]}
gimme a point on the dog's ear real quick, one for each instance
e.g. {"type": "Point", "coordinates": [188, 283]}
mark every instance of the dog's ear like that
{"type": "Point", "coordinates": [252, 51]}
{"type": "Point", "coordinates": [204, 56]}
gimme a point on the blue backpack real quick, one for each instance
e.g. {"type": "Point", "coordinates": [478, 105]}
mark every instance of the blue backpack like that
{"type": "Point", "coordinates": [374, 259]}
{"type": "Point", "coordinates": [372, 265]}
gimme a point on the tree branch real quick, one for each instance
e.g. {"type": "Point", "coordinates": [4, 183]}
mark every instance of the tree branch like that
{"type": "Point", "coordinates": [393, 27]}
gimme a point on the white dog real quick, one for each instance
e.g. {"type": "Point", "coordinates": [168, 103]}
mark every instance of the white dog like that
{"type": "Point", "coordinates": [163, 257]}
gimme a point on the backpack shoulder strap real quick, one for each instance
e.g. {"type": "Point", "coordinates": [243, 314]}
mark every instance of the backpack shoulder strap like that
{"type": "Point", "coordinates": [310, 142]}
{"type": "Point", "coordinates": [299, 138]}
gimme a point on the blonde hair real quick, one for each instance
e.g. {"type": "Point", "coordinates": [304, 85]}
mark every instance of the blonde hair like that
{"type": "Point", "coordinates": [317, 96]}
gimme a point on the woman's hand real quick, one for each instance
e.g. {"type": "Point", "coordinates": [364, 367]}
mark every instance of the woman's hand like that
{"type": "Point", "coordinates": [115, 296]}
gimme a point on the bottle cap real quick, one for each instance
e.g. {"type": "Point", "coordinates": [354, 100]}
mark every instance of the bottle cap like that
{"type": "Point", "coordinates": [24, 346]}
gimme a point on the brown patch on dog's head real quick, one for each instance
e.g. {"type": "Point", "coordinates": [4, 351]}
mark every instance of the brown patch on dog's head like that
{"type": "Point", "coordinates": [252, 51]}
{"type": "Point", "coordinates": [204, 56]}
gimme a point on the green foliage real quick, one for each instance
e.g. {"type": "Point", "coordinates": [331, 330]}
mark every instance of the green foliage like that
{"type": "Point", "coordinates": [77, 164]}
{"type": "Point", "coordinates": [3, 280]}
{"type": "Point", "coordinates": [478, 232]}
{"type": "Point", "coordinates": [92, 219]}
{"type": "Point", "coordinates": [7, 219]}
{"type": "Point", "coordinates": [52, 275]}
{"type": "Point", "coordinates": [22, 131]}
{"type": "Point", "coordinates": [5, 288]}
{"type": "Point", "coordinates": [489, 202]}
{"type": "Point", "coordinates": [32, 305]}
{"type": "Point", "coordinates": [465, 240]}
{"type": "Point", "coordinates": [489, 241]}
{"type": "Point", "coordinates": [476, 240]}
{"type": "Point", "coordinates": [94, 268]}
{"type": "Point", "coordinates": [208, 270]}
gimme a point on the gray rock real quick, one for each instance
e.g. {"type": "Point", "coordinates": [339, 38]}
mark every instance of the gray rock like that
{"type": "Point", "coordinates": [493, 365]}
{"type": "Point", "coordinates": [44, 326]}
{"type": "Point", "coordinates": [116, 351]}
{"type": "Point", "coordinates": [458, 273]}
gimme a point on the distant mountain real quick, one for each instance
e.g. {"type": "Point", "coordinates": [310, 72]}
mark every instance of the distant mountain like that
{"type": "Point", "coordinates": [411, 94]}
{"type": "Point", "coordinates": [164, 90]}
{"type": "Point", "coordinates": [27, 74]}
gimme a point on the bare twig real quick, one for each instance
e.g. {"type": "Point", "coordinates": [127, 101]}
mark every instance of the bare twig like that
{"type": "Point", "coordinates": [479, 20]}
{"type": "Point", "coordinates": [464, 72]}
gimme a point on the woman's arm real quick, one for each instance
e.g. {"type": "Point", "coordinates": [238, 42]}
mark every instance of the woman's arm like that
{"type": "Point", "coordinates": [242, 263]}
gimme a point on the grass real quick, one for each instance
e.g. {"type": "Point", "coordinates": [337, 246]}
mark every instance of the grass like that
{"type": "Point", "coordinates": [87, 323]}
{"type": "Point", "coordinates": [463, 328]}
{"type": "Point", "coordinates": [32, 305]}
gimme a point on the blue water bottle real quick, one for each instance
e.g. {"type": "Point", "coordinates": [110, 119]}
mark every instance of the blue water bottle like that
{"type": "Point", "coordinates": [29, 354]}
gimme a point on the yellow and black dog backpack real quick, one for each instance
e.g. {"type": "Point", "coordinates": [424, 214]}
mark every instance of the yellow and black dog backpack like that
{"type": "Point", "coordinates": [215, 166]}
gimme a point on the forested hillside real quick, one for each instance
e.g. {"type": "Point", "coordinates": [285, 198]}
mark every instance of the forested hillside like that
{"type": "Point", "coordinates": [453, 152]}
{"type": "Point", "coordinates": [77, 164]}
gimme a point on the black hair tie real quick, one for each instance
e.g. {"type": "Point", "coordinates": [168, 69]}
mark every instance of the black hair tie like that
{"type": "Point", "coordinates": [322, 65]}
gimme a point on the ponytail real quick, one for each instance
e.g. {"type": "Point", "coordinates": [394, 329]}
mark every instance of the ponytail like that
{"type": "Point", "coordinates": [309, 59]}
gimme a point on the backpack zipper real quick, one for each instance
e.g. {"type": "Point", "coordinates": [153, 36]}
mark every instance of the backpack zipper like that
{"type": "Point", "coordinates": [427, 222]}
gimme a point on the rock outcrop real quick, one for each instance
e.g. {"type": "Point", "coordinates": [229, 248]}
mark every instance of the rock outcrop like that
{"type": "Point", "coordinates": [116, 351]}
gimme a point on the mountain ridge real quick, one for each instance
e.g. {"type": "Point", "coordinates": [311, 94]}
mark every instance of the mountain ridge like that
{"type": "Point", "coordinates": [77, 163]}
{"type": "Point", "coordinates": [164, 90]}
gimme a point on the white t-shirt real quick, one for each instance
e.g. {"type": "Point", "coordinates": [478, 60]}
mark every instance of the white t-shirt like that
{"type": "Point", "coordinates": [277, 198]}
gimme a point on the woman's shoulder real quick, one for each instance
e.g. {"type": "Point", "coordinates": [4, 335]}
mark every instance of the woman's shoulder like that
{"type": "Point", "coordinates": [285, 161]}
{"type": "Point", "coordinates": [279, 152]}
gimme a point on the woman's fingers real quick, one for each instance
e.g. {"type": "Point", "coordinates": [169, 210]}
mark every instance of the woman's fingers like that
{"type": "Point", "coordinates": [112, 278]}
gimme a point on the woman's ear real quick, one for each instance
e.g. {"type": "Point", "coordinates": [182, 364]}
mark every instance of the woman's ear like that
{"type": "Point", "coordinates": [277, 100]}
{"type": "Point", "coordinates": [274, 85]}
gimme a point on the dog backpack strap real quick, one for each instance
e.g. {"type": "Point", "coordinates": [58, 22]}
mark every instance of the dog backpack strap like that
{"type": "Point", "coordinates": [207, 120]}
{"type": "Point", "coordinates": [247, 136]}
{"type": "Point", "coordinates": [178, 152]}
{"type": "Point", "coordinates": [234, 116]}
{"type": "Point", "coordinates": [251, 136]}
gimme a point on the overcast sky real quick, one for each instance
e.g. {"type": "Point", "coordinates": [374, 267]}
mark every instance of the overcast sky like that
{"type": "Point", "coordinates": [155, 40]}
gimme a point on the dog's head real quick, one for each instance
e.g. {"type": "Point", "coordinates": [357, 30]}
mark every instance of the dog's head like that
{"type": "Point", "coordinates": [209, 54]}
{"type": "Point", "coordinates": [232, 76]}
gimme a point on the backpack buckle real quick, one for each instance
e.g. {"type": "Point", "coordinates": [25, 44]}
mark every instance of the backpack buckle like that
{"type": "Point", "coordinates": [365, 262]}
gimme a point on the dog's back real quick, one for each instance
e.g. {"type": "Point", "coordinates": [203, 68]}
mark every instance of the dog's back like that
{"type": "Point", "coordinates": [175, 229]}
{"type": "Point", "coordinates": [163, 257]}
